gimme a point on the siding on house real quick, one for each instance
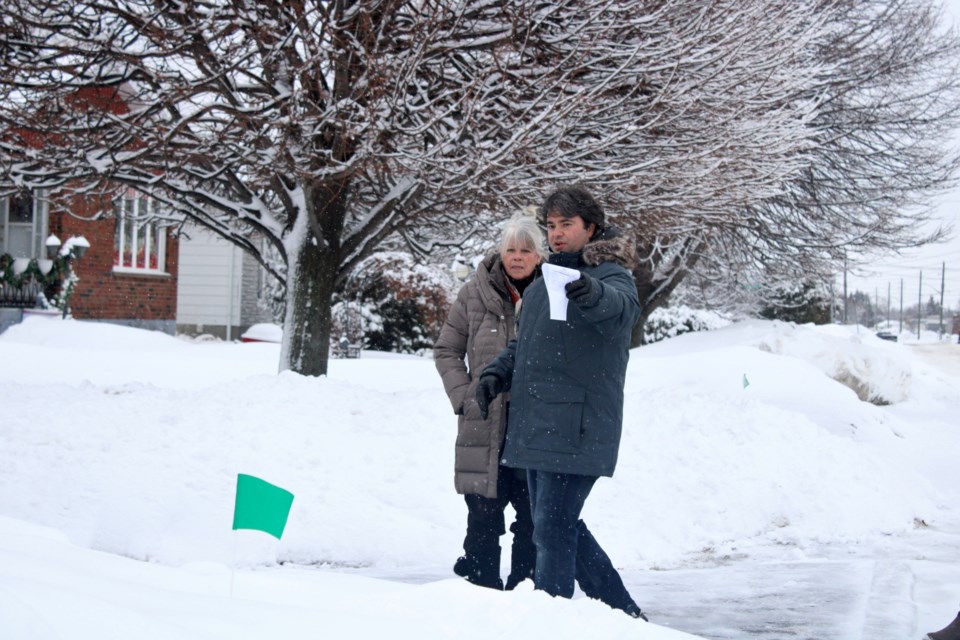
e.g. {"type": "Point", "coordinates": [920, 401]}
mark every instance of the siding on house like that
{"type": "Point", "coordinates": [208, 294]}
{"type": "Point", "coordinates": [218, 284]}
{"type": "Point", "coordinates": [253, 308]}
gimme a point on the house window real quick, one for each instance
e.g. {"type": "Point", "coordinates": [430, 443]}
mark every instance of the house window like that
{"type": "Point", "coordinates": [23, 220]}
{"type": "Point", "coordinates": [140, 244]}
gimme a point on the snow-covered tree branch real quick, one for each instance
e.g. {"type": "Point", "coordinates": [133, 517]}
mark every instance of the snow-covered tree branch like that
{"type": "Point", "coordinates": [731, 137]}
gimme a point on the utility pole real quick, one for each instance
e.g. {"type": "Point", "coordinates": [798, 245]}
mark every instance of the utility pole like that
{"type": "Point", "coordinates": [943, 285]}
{"type": "Point", "coordinates": [844, 286]}
{"type": "Point", "coordinates": [888, 305]}
{"type": "Point", "coordinates": [901, 307]}
{"type": "Point", "coordinates": [833, 300]}
{"type": "Point", "coordinates": [920, 306]}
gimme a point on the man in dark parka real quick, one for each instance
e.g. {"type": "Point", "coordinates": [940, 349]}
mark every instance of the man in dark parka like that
{"type": "Point", "coordinates": [566, 380]}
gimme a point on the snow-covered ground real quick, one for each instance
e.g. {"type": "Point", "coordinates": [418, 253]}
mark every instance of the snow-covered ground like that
{"type": "Point", "coordinates": [756, 496]}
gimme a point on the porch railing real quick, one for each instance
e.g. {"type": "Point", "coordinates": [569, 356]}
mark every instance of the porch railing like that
{"type": "Point", "coordinates": [24, 297]}
{"type": "Point", "coordinates": [25, 283]}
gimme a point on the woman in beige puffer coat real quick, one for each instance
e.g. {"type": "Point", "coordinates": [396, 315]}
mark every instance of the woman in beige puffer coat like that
{"type": "Point", "coordinates": [479, 325]}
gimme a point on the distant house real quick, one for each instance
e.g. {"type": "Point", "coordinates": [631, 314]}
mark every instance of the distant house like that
{"type": "Point", "coordinates": [127, 276]}
{"type": "Point", "coordinates": [931, 323]}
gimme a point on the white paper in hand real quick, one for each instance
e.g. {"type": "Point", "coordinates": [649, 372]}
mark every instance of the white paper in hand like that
{"type": "Point", "coordinates": [556, 278]}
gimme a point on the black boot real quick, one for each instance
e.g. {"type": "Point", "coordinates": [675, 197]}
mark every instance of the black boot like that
{"type": "Point", "coordinates": [634, 611]}
{"type": "Point", "coordinates": [949, 632]}
{"type": "Point", "coordinates": [483, 572]}
{"type": "Point", "coordinates": [516, 578]}
{"type": "Point", "coordinates": [463, 567]}
{"type": "Point", "coordinates": [480, 563]}
{"type": "Point", "coordinates": [523, 556]}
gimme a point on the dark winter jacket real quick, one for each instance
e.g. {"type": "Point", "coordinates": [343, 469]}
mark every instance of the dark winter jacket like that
{"type": "Point", "coordinates": [479, 325]}
{"type": "Point", "coordinates": [566, 378]}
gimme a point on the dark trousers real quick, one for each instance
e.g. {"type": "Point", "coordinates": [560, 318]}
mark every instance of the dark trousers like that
{"type": "Point", "coordinates": [566, 550]}
{"type": "Point", "coordinates": [486, 523]}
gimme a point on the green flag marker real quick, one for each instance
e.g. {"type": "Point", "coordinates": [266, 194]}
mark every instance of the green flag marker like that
{"type": "Point", "coordinates": [746, 383]}
{"type": "Point", "coordinates": [261, 506]}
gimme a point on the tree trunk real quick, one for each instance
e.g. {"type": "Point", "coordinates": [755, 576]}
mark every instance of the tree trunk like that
{"type": "Point", "coordinates": [649, 302]}
{"type": "Point", "coordinates": [654, 293]}
{"type": "Point", "coordinates": [306, 328]}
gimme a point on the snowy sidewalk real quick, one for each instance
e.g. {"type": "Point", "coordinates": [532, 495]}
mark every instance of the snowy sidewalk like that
{"type": "Point", "coordinates": [856, 594]}
{"type": "Point", "coordinates": [822, 600]}
{"type": "Point", "coordinates": [850, 593]}
{"type": "Point", "coordinates": [858, 599]}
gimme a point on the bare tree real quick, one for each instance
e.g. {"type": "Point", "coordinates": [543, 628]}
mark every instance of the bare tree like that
{"type": "Point", "coordinates": [325, 127]}
{"type": "Point", "coordinates": [885, 96]}
{"type": "Point", "coordinates": [691, 116]}
{"type": "Point", "coordinates": [731, 137]}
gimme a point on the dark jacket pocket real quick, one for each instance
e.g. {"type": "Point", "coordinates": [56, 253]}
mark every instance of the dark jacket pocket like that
{"type": "Point", "coordinates": [555, 417]}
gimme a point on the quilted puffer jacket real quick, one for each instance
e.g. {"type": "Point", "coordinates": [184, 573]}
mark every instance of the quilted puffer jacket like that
{"type": "Point", "coordinates": [479, 325]}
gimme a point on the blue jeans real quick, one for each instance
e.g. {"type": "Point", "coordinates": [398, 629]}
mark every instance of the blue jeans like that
{"type": "Point", "coordinates": [566, 550]}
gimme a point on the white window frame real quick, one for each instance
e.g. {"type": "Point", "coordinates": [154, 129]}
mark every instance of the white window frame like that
{"type": "Point", "coordinates": [135, 212]}
{"type": "Point", "coordinates": [38, 226]}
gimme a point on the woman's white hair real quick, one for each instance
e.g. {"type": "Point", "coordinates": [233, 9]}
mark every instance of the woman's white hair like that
{"type": "Point", "coordinates": [522, 230]}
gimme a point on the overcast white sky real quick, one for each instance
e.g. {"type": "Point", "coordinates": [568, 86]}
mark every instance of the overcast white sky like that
{"type": "Point", "coordinates": [885, 274]}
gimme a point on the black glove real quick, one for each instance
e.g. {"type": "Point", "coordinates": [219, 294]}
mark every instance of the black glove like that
{"type": "Point", "coordinates": [488, 388]}
{"type": "Point", "coordinates": [583, 290]}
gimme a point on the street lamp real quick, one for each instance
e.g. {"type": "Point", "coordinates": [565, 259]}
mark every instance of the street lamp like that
{"type": "Point", "coordinates": [350, 344]}
{"type": "Point", "coordinates": [74, 248]}
{"type": "Point", "coordinates": [53, 246]}
{"type": "Point", "coordinates": [459, 269]}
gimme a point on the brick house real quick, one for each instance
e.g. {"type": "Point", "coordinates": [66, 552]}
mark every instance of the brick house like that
{"type": "Point", "coordinates": [128, 275]}
{"type": "Point", "coordinates": [136, 273]}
